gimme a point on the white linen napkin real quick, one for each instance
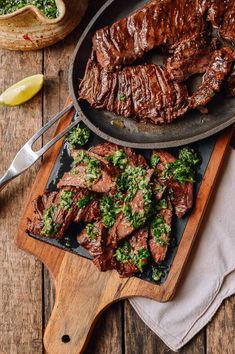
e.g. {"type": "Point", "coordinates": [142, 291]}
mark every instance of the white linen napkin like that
{"type": "Point", "coordinates": [210, 274]}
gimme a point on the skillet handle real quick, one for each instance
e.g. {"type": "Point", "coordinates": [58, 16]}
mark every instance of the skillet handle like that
{"type": "Point", "coordinates": [82, 293]}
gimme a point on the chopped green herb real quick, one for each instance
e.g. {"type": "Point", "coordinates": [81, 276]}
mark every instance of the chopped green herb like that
{"type": "Point", "coordinates": [67, 242]}
{"type": "Point", "coordinates": [160, 230]}
{"type": "Point", "coordinates": [119, 159]}
{"type": "Point", "coordinates": [78, 136]}
{"type": "Point", "coordinates": [47, 7]}
{"type": "Point", "coordinates": [108, 211]}
{"type": "Point", "coordinates": [136, 219]}
{"type": "Point", "coordinates": [154, 160]}
{"type": "Point", "coordinates": [92, 231]}
{"type": "Point", "coordinates": [49, 226]}
{"type": "Point", "coordinates": [93, 170]}
{"type": "Point", "coordinates": [125, 254]}
{"type": "Point", "coordinates": [66, 199]}
{"type": "Point", "coordinates": [182, 169]}
{"type": "Point", "coordinates": [122, 97]}
{"type": "Point", "coordinates": [161, 204]}
{"type": "Point", "coordinates": [84, 201]}
{"type": "Point", "coordinates": [158, 272]}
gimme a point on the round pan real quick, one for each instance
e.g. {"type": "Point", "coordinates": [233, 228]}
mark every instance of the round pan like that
{"type": "Point", "coordinates": [191, 127]}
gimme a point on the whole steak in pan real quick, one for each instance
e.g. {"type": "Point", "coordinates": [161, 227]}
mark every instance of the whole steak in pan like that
{"type": "Point", "coordinates": [144, 91]}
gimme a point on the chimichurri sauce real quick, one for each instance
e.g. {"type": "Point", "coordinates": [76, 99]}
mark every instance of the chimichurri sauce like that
{"type": "Point", "coordinates": [47, 7]}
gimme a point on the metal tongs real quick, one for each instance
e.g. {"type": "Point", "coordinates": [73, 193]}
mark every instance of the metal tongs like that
{"type": "Point", "coordinates": [26, 157]}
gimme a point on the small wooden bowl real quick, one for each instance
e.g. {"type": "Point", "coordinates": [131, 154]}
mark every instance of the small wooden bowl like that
{"type": "Point", "coordinates": [28, 28]}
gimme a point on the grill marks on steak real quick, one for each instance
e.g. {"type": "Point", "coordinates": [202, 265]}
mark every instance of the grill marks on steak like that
{"type": "Point", "coordinates": [156, 24]}
{"type": "Point", "coordinates": [95, 245]}
{"type": "Point", "coordinates": [182, 193]}
{"type": "Point", "coordinates": [230, 84]}
{"type": "Point", "coordinates": [158, 250]}
{"type": "Point", "coordinates": [79, 176]}
{"type": "Point", "coordinates": [144, 91]}
{"type": "Point", "coordinates": [61, 217]}
{"type": "Point", "coordinates": [191, 56]}
{"type": "Point", "coordinates": [220, 65]}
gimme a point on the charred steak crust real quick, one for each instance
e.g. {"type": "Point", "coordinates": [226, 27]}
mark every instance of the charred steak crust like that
{"type": "Point", "coordinates": [158, 23]}
{"type": "Point", "coordinates": [144, 91]}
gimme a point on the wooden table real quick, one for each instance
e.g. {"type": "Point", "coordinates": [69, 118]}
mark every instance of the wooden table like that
{"type": "Point", "coordinates": [26, 291]}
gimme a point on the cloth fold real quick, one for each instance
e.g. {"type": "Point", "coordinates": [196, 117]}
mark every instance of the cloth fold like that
{"type": "Point", "coordinates": [210, 272]}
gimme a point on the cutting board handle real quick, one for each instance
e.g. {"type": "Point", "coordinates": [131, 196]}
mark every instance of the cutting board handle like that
{"type": "Point", "coordinates": [82, 293]}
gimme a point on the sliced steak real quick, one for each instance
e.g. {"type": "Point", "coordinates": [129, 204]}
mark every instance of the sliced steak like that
{"type": "Point", "coordinates": [159, 235]}
{"type": "Point", "coordinates": [137, 258]}
{"type": "Point", "coordinates": [191, 56]}
{"type": "Point", "coordinates": [108, 149]}
{"type": "Point", "coordinates": [145, 92]}
{"type": "Point", "coordinates": [105, 261]}
{"type": "Point", "coordinates": [93, 238]}
{"type": "Point", "coordinates": [182, 193]}
{"type": "Point", "coordinates": [157, 23]}
{"type": "Point", "coordinates": [222, 15]}
{"type": "Point", "coordinates": [123, 227]}
{"type": "Point", "coordinates": [91, 172]}
{"type": "Point", "coordinates": [88, 213]}
{"type": "Point", "coordinates": [53, 212]}
{"type": "Point", "coordinates": [219, 67]}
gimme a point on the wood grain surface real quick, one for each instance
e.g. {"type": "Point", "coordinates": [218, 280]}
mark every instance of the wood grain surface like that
{"type": "Point", "coordinates": [26, 291]}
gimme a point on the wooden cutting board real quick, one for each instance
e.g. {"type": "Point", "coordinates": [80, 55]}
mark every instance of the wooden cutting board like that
{"type": "Point", "coordinates": [82, 291]}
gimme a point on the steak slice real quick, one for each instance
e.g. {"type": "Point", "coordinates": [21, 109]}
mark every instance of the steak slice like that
{"type": "Point", "coordinates": [145, 92]}
{"type": "Point", "coordinates": [182, 193]}
{"type": "Point", "coordinates": [88, 213]}
{"type": "Point", "coordinates": [191, 56]}
{"type": "Point", "coordinates": [123, 227]}
{"type": "Point", "coordinates": [108, 149]}
{"type": "Point", "coordinates": [93, 238]}
{"type": "Point", "coordinates": [53, 212]}
{"type": "Point", "coordinates": [220, 65]}
{"type": "Point", "coordinates": [138, 254]}
{"type": "Point", "coordinates": [91, 172]}
{"type": "Point", "coordinates": [157, 23]}
{"type": "Point", "coordinates": [222, 14]}
{"type": "Point", "coordinates": [159, 235]}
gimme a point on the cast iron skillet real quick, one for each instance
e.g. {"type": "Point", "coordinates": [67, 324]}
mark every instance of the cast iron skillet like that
{"type": "Point", "coordinates": [192, 127]}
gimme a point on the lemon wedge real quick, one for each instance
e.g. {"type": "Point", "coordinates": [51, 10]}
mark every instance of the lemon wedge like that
{"type": "Point", "coordinates": [22, 91]}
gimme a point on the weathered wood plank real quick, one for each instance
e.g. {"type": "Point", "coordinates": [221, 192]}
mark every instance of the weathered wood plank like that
{"type": "Point", "coordinates": [140, 339]}
{"type": "Point", "coordinates": [221, 330]}
{"type": "Point", "coordinates": [20, 276]}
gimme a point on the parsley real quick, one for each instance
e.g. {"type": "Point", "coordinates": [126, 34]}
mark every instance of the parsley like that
{"type": "Point", "coordinates": [93, 170]}
{"type": "Point", "coordinates": [137, 219]}
{"type": "Point", "coordinates": [84, 201]}
{"type": "Point", "coordinates": [122, 97]}
{"type": "Point", "coordinates": [182, 170]}
{"type": "Point", "coordinates": [161, 204]}
{"type": "Point", "coordinates": [160, 230]}
{"type": "Point", "coordinates": [66, 199]}
{"type": "Point", "coordinates": [78, 136]}
{"type": "Point", "coordinates": [49, 226]}
{"type": "Point", "coordinates": [154, 160]}
{"type": "Point", "coordinates": [158, 272]}
{"type": "Point", "coordinates": [125, 254]}
{"type": "Point", "coordinates": [119, 159]}
{"type": "Point", "coordinates": [92, 231]}
{"type": "Point", "coordinates": [108, 211]}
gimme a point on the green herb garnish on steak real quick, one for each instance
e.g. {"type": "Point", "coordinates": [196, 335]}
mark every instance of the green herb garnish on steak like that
{"type": "Point", "coordinates": [78, 137]}
{"type": "Point", "coordinates": [49, 226]}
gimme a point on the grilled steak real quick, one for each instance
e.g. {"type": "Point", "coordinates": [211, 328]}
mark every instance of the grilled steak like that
{"type": "Point", "coordinates": [158, 23]}
{"type": "Point", "coordinates": [182, 193]}
{"type": "Point", "coordinates": [93, 238]}
{"type": "Point", "coordinates": [144, 91]}
{"type": "Point", "coordinates": [123, 227]}
{"type": "Point", "coordinates": [109, 149]}
{"type": "Point", "coordinates": [53, 212]}
{"type": "Point", "coordinates": [160, 230]}
{"type": "Point", "coordinates": [90, 171]}
{"type": "Point", "coordinates": [138, 254]}
{"type": "Point", "coordinates": [222, 14]}
{"type": "Point", "coordinates": [191, 56]}
{"type": "Point", "coordinates": [105, 261]}
{"type": "Point", "coordinates": [220, 65]}
{"type": "Point", "coordinates": [88, 213]}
